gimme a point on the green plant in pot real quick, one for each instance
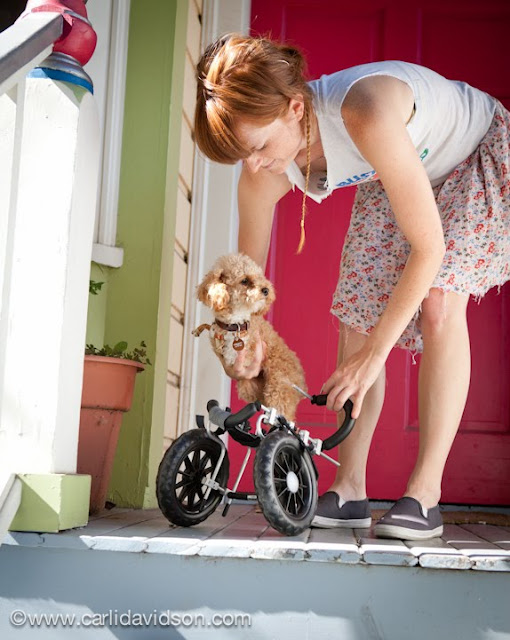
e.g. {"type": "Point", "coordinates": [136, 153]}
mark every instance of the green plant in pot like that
{"type": "Point", "coordinates": [108, 385]}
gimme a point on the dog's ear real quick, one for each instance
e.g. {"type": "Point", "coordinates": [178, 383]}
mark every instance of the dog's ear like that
{"type": "Point", "coordinates": [202, 289]}
{"type": "Point", "coordinates": [213, 292]}
{"type": "Point", "coordinates": [270, 297]}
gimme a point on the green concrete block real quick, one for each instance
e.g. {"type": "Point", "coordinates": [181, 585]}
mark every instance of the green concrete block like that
{"type": "Point", "coordinates": [52, 502]}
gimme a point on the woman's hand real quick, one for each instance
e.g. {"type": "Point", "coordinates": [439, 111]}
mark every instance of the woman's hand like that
{"type": "Point", "coordinates": [353, 379]}
{"type": "Point", "coordinates": [242, 370]}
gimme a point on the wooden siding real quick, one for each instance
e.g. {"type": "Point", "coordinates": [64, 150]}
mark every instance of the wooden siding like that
{"type": "Point", "coordinates": [183, 224]}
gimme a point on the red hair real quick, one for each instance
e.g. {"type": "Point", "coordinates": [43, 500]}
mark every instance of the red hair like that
{"type": "Point", "coordinates": [241, 77]}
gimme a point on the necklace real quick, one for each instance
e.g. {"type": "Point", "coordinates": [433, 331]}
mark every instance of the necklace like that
{"type": "Point", "coordinates": [307, 180]}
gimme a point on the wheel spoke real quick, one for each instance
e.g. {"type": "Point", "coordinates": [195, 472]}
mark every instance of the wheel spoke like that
{"type": "Point", "coordinates": [195, 499]}
{"type": "Point", "coordinates": [204, 460]}
{"type": "Point", "coordinates": [282, 469]}
{"type": "Point", "coordinates": [200, 504]}
{"type": "Point", "coordinates": [185, 493]}
{"type": "Point", "coordinates": [189, 465]}
{"type": "Point", "coordinates": [185, 473]}
{"type": "Point", "coordinates": [195, 460]}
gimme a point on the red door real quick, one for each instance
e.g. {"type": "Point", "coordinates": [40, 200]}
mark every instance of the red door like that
{"type": "Point", "coordinates": [461, 39]}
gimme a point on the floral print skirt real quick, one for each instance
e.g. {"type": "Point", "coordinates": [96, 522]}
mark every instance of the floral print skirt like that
{"type": "Point", "coordinates": [474, 204]}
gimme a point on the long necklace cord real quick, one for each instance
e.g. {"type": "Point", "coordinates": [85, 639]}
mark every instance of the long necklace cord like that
{"type": "Point", "coordinates": [307, 180]}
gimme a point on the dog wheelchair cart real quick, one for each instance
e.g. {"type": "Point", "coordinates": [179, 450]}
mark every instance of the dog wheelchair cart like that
{"type": "Point", "coordinates": [193, 474]}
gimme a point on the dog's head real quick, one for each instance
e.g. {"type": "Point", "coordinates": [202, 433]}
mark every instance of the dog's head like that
{"type": "Point", "coordinates": [236, 289]}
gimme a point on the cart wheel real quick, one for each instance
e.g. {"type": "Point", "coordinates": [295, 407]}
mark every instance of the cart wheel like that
{"type": "Point", "coordinates": [190, 459]}
{"type": "Point", "coordinates": [286, 483]}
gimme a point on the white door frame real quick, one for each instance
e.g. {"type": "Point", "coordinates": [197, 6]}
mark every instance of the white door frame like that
{"type": "Point", "coordinates": [214, 224]}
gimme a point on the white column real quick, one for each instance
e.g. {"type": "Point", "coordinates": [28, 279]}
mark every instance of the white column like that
{"type": "Point", "coordinates": [44, 304]}
{"type": "Point", "coordinates": [8, 112]}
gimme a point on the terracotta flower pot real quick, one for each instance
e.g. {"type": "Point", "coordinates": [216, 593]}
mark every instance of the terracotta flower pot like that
{"type": "Point", "coordinates": [108, 385]}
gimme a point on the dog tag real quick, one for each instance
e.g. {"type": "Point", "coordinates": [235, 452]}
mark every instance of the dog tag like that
{"type": "Point", "coordinates": [238, 344]}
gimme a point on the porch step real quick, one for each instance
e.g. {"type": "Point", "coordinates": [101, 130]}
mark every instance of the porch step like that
{"type": "Point", "coordinates": [244, 533]}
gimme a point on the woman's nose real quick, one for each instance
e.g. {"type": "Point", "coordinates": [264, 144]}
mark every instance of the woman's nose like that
{"type": "Point", "coordinates": [254, 162]}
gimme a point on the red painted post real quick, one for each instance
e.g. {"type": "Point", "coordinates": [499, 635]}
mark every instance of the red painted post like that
{"type": "Point", "coordinates": [78, 38]}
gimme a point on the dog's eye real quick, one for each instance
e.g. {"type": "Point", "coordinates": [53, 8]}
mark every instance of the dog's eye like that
{"type": "Point", "coordinates": [265, 291]}
{"type": "Point", "coordinates": [246, 281]}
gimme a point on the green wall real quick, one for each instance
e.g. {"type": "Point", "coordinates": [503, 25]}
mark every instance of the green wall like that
{"type": "Point", "coordinates": [167, 257]}
{"type": "Point", "coordinates": [136, 303]}
{"type": "Point", "coordinates": [96, 316]}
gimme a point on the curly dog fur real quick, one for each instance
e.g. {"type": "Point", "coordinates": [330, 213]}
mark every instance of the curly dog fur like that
{"type": "Point", "coordinates": [238, 292]}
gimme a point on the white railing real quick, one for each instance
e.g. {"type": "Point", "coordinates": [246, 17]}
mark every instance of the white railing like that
{"type": "Point", "coordinates": [26, 44]}
{"type": "Point", "coordinates": [49, 154]}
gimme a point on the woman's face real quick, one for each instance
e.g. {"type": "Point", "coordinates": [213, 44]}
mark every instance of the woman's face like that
{"type": "Point", "coordinates": [275, 145]}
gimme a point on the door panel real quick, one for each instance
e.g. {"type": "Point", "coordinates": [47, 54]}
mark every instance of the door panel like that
{"type": "Point", "coordinates": [461, 40]}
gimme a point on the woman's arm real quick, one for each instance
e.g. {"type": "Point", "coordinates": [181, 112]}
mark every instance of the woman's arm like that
{"type": "Point", "coordinates": [376, 126]}
{"type": "Point", "coordinates": [375, 119]}
{"type": "Point", "coordinates": [258, 194]}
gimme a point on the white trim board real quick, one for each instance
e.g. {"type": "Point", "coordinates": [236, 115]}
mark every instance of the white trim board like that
{"type": "Point", "coordinates": [107, 255]}
{"type": "Point", "coordinates": [107, 68]}
{"type": "Point", "coordinates": [214, 223]}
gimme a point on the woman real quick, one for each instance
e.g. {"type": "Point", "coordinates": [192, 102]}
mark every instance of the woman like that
{"type": "Point", "coordinates": [429, 227]}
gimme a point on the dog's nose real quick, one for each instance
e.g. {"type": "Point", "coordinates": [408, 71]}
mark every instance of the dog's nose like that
{"type": "Point", "coordinates": [265, 291]}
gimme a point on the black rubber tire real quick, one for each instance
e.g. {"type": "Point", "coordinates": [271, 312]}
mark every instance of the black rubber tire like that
{"type": "Point", "coordinates": [289, 512]}
{"type": "Point", "coordinates": [184, 465]}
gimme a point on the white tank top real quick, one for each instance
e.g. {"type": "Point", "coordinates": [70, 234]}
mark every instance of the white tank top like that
{"type": "Point", "coordinates": [449, 121]}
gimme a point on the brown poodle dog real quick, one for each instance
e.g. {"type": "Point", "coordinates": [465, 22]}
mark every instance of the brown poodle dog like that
{"type": "Point", "coordinates": [239, 295]}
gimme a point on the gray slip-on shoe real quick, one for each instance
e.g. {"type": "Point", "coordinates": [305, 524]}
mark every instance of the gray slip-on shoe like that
{"type": "Point", "coordinates": [333, 511]}
{"type": "Point", "coordinates": [408, 520]}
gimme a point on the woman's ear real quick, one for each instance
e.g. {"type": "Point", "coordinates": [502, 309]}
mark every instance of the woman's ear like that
{"type": "Point", "coordinates": [297, 108]}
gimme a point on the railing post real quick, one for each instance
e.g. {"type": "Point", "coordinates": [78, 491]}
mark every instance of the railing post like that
{"type": "Point", "coordinates": [44, 310]}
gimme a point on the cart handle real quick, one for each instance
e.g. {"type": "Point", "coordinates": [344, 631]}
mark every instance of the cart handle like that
{"type": "Point", "coordinates": [226, 419]}
{"type": "Point", "coordinates": [343, 431]}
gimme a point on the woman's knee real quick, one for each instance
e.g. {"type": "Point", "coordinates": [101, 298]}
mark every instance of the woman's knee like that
{"type": "Point", "coordinates": [440, 309]}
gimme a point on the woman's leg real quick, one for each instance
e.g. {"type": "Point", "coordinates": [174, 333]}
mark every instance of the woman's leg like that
{"type": "Point", "coordinates": [442, 392]}
{"type": "Point", "coordinates": [350, 481]}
